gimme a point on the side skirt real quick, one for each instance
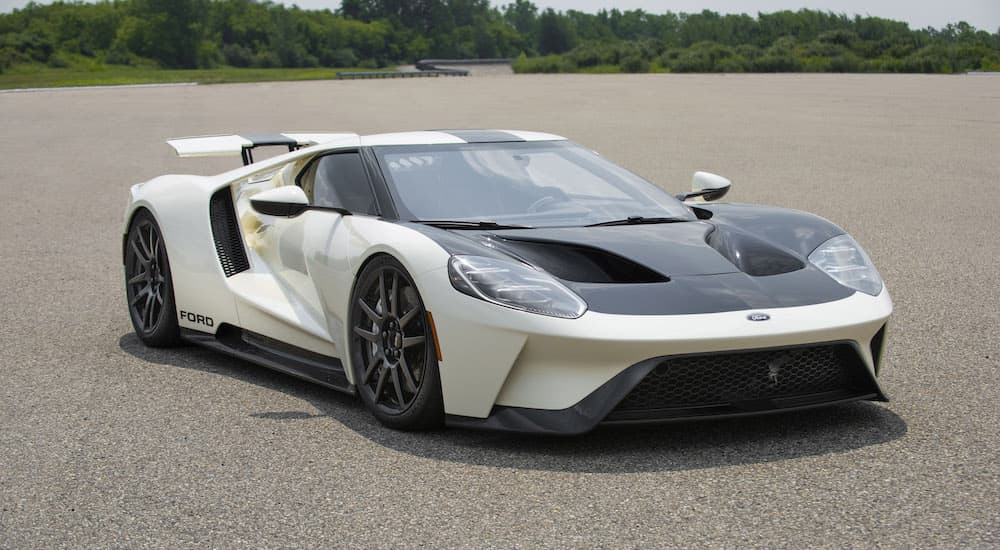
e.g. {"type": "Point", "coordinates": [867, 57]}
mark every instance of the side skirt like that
{"type": "Point", "coordinates": [267, 352]}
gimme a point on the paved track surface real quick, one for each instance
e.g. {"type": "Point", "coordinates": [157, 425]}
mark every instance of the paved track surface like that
{"type": "Point", "coordinates": [106, 443]}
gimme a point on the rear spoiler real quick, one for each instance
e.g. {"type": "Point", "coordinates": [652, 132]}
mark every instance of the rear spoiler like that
{"type": "Point", "coordinates": [243, 145]}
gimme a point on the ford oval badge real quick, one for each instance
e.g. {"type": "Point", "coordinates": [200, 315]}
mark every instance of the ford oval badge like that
{"type": "Point", "coordinates": [758, 317]}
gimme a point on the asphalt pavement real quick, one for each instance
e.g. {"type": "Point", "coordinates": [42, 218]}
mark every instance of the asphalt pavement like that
{"type": "Point", "coordinates": [106, 443]}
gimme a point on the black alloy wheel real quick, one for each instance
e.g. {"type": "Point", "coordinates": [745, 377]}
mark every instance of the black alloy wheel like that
{"type": "Point", "coordinates": [393, 354]}
{"type": "Point", "coordinates": [148, 287]}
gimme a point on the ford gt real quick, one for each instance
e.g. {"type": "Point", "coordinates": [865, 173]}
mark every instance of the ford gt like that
{"type": "Point", "coordinates": [505, 280]}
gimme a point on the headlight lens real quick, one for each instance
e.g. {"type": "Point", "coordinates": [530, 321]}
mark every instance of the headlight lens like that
{"type": "Point", "coordinates": [843, 259]}
{"type": "Point", "coordinates": [514, 285]}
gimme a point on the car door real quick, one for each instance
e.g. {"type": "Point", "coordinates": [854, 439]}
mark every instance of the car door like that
{"type": "Point", "coordinates": [297, 252]}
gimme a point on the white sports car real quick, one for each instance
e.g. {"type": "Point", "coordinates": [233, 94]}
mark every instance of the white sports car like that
{"type": "Point", "coordinates": [505, 280]}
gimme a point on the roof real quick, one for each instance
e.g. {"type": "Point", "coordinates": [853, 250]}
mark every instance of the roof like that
{"type": "Point", "coordinates": [427, 137]}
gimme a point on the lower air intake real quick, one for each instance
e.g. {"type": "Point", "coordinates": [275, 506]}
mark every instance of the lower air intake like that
{"type": "Point", "coordinates": [743, 381]}
{"type": "Point", "coordinates": [226, 232]}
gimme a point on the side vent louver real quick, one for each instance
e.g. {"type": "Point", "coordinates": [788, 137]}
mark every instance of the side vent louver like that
{"type": "Point", "coordinates": [226, 232]}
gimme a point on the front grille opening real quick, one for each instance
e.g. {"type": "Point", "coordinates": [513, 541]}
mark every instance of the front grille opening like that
{"type": "Point", "coordinates": [226, 232]}
{"type": "Point", "coordinates": [746, 377]}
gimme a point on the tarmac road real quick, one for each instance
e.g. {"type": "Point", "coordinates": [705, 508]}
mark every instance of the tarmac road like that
{"type": "Point", "coordinates": [106, 443]}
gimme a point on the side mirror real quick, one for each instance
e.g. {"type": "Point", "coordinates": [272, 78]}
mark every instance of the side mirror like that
{"type": "Point", "coordinates": [706, 187]}
{"type": "Point", "coordinates": [286, 201]}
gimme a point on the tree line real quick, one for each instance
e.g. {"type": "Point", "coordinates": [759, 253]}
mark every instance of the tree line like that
{"type": "Point", "coordinates": [378, 33]}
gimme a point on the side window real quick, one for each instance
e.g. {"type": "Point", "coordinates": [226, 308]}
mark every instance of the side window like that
{"type": "Point", "coordinates": [339, 180]}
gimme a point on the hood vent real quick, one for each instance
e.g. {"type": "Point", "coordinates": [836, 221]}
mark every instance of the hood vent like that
{"type": "Point", "coordinates": [751, 255]}
{"type": "Point", "coordinates": [578, 263]}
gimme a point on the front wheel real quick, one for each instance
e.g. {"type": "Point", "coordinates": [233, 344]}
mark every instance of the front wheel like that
{"type": "Point", "coordinates": [392, 348]}
{"type": "Point", "coordinates": [148, 287]}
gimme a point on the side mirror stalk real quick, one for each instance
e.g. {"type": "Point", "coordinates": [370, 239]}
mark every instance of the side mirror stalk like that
{"type": "Point", "coordinates": [286, 201]}
{"type": "Point", "coordinates": [706, 187]}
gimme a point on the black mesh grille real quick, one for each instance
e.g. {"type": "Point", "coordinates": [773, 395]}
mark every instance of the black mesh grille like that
{"type": "Point", "coordinates": [226, 232]}
{"type": "Point", "coordinates": [748, 376]}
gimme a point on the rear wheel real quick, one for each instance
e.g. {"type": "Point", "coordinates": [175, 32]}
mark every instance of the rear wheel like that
{"type": "Point", "coordinates": [148, 287]}
{"type": "Point", "coordinates": [392, 348]}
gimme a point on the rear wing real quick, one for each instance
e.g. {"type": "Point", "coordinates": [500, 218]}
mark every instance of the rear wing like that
{"type": "Point", "coordinates": [243, 145]}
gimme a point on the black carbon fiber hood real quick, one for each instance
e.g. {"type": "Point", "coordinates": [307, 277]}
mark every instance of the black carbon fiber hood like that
{"type": "Point", "coordinates": [744, 257]}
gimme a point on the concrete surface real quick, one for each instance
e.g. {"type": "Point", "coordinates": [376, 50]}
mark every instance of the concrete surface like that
{"type": "Point", "coordinates": [106, 443]}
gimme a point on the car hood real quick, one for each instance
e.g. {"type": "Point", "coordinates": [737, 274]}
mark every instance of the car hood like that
{"type": "Point", "coordinates": [726, 263]}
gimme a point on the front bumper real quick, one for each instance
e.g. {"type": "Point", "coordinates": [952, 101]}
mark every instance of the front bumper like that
{"type": "Point", "coordinates": [731, 384]}
{"type": "Point", "coordinates": [498, 363]}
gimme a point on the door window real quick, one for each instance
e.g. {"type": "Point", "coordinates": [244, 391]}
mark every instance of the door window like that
{"type": "Point", "coordinates": [339, 180]}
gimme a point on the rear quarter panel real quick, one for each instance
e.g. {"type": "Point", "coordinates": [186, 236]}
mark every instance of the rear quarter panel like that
{"type": "Point", "coordinates": [179, 203]}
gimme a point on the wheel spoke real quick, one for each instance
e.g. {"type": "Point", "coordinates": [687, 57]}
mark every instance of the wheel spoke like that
{"type": "Point", "coordinates": [400, 400]}
{"type": "Point", "coordinates": [146, 246]}
{"type": "Point", "coordinates": [407, 375]}
{"type": "Point", "coordinates": [154, 244]}
{"type": "Point", "coordinates": [381, 292]}
{"type": "Point", "coordinates": [412, 341]}
{"type": "Point", "coordinates": [370, 336]}
{"type": "Point", "coordinates": [369, 311]}
{"type": "Point", "coordinates": [381, 383]}
{"type": "Point", "coordinates": [394, 295]}
{"type": "Point", "coordinates": [138, 278]}
{"type": "Point", "coordinates": [148, 312]}
{"type": "Point", "coordinates": [376, 361]}
{"type": "Point", "coordinates": [140, 295]}
{"type": "Point", "coordinates": [138, 251]}
{"type": "Point", "coordinates": [408, 316]}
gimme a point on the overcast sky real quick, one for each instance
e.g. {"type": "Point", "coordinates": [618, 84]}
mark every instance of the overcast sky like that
{"type": "Point", "coordinates": [983, 14]}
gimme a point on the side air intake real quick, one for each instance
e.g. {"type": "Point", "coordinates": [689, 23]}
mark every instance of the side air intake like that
{"type": "Point", "coordinates": [226, 232]}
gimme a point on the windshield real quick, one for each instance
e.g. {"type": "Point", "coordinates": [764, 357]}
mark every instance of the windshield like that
{"type": "Point", "coordinates": [536, 184]}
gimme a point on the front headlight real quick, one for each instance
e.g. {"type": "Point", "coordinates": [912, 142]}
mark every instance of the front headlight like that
{"type": "Point", "coordinates": [514, 285]}
{"type": "Point", "coordinates": [843, 259]}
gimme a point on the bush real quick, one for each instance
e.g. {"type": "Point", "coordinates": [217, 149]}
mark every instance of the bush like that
{"type": "Point", "coordinates": [237, 55]}
{"type": "Point", "coordinates": [266, 60]}
{"type": "Point", "coordinates": [777, 63]}
{"type": "Point", "coordinates": [118, 54]}
{"type": "Point", "coordinates": [547, 64]}
{"type": "Point", "coordinates": [208, 55]}
{"type": "Point", "coordinates": [734, 64]}
{"type": "Point", "coordinates": [635, 64]}
{"type": "Point", "coordinates": [343, 57]}
{"type": "Point", "coordinates": [845, 63]}
{"type": "Point", "coordinates": [700, 58]}
{"type": "Point", "coordinates": [57, 61]}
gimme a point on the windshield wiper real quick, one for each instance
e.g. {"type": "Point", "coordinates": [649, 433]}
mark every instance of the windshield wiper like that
{"type": "Point", "coordinates": [638, 220]}
{"type": "Point", "coordinates": [465, 224]}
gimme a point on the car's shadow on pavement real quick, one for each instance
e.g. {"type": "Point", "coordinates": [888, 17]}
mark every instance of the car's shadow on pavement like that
{"type": "Point", "coordinates": [665, 447]}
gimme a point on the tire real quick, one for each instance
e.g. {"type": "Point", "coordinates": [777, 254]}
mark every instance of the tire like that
{"type": "Point", "coordinates": [149, 289]}
{"type": "Point", "coordinates": [392, 350]}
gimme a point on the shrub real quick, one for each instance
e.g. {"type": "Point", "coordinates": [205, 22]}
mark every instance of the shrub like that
{"type": "Point", "coordinates": [777, 63]}
{"type": "Point", "coordinates": [547, 64]}
{"type": "Point", "coordinates": [343, 57]}
{"type": "Point", "coordinates": [57, 61]}
{"type": "Point", "coordinates": [208, 55]}
{"type": "Point", "coordinates": [635, 64]}
{"type": "Point", "coordinates": [118, 54]}
{"type": "Point", "coordinates": [734, 64]}
{"type": "Point", "coordinates": [266, 60]}
{"type": "Point", "coordinates": [237, 55]}
{"type": "Point", "coordinates": [700, 58]}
